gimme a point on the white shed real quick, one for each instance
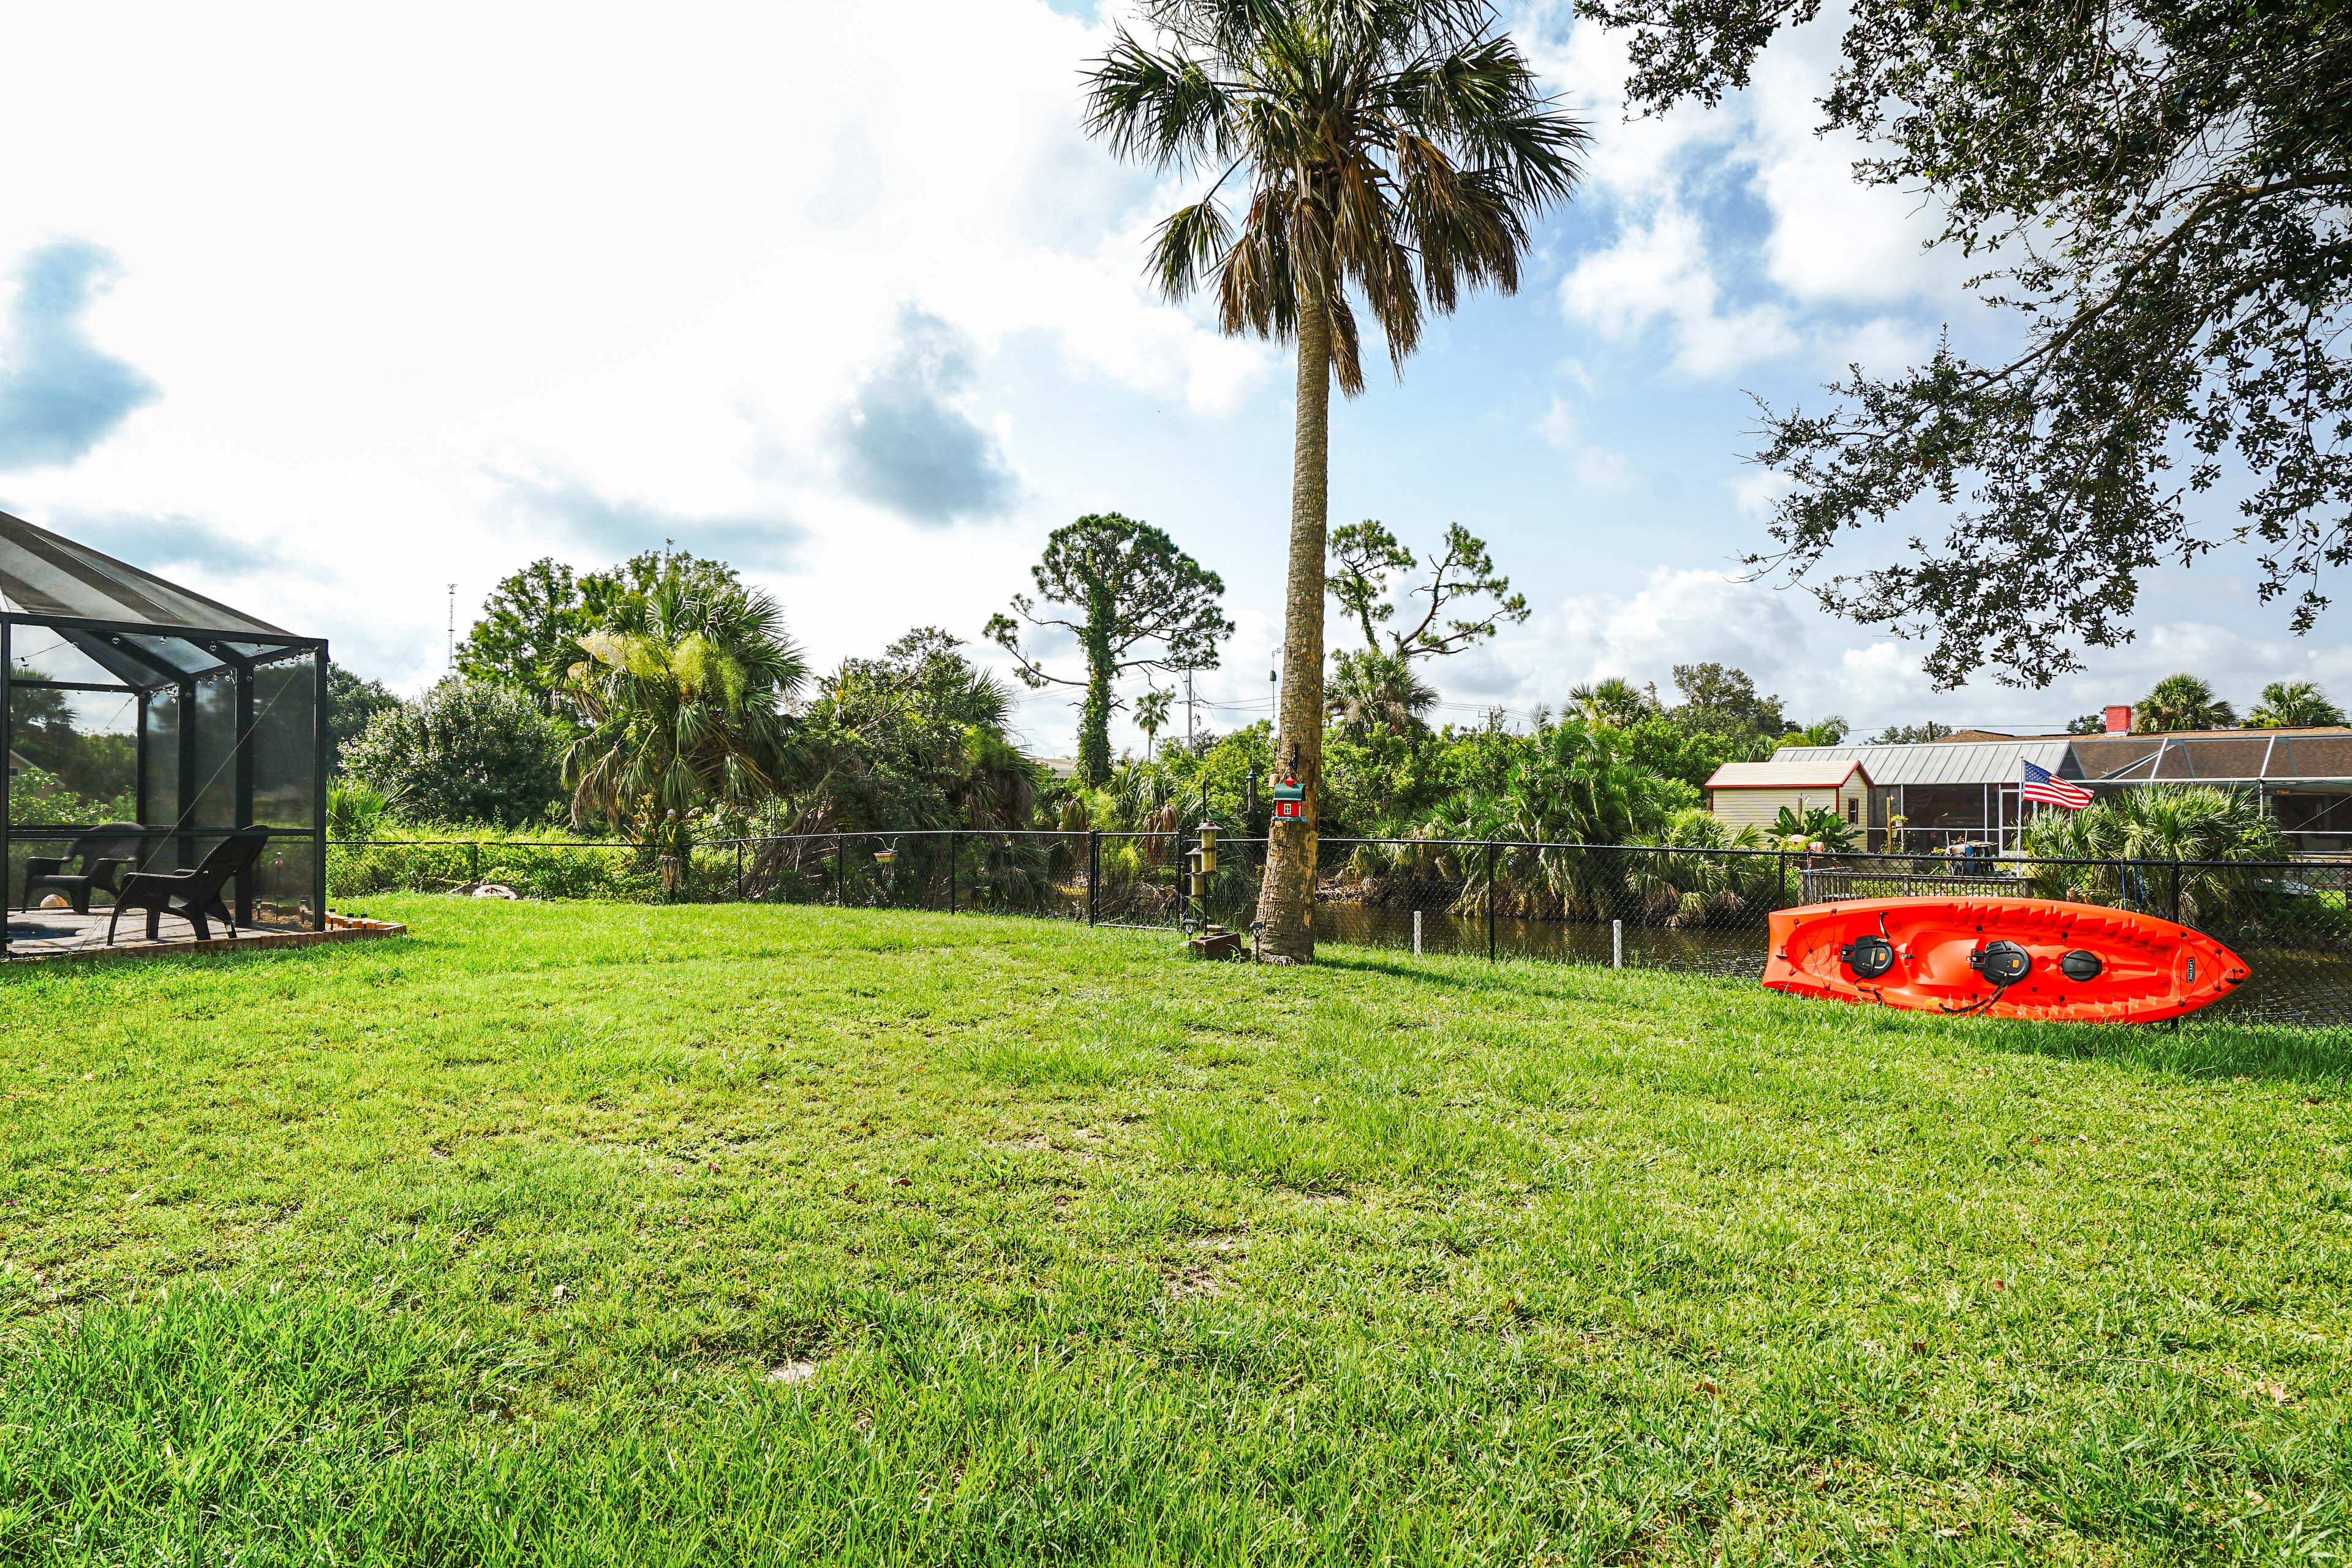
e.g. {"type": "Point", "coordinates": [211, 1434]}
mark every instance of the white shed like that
{"type": "Point", "coordinates": [1752, 794]}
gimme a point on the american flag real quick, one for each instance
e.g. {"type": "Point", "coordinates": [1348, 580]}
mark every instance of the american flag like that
{"type": "Point", "coordinates": [2042, 785]}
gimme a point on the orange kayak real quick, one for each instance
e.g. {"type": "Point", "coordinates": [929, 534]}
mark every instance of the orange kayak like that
{"type": "Point", "coordinates": [2007, 958]}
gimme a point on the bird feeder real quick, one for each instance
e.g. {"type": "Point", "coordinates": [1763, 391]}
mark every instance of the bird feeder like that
{"type": "Point", "coordinates": [1204, 860]}
{"type": "Point", "coordinates": [886, 857]}
{"type": "Point", "coordinates": [1289, 799]}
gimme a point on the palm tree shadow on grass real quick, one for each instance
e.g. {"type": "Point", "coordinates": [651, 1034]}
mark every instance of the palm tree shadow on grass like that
{"type": "Point", "coordinates": [1562, 979]}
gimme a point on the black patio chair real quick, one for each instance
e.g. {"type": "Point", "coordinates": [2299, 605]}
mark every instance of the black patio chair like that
{"type": "Point", "coordinates": [103, 853]}
{"type": "Point", "coordinates": [191, 895]}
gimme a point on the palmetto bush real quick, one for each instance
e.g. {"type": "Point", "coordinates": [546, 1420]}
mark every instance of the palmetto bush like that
{"type": "Point", "coordinates": [1405, 873]}
{"type": "Point", "coordinates": [1690, 879]}
{"type": "Point", "coordinates": [2138, 832]}
{"type": "Point", "coordinates": [1577, 790]}
{"type": "Point", "coordinates": [683, 700]}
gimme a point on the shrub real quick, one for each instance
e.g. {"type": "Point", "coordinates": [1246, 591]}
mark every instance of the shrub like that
{"type": "Point", "coordinates": [468, 752]}
{"type": "Point", "coordinates": [2160, 824]}
{"type": "Point", "coordinates": [542, 864]}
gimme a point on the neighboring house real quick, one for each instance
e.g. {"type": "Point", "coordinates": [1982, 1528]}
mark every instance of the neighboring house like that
{"type": "Point", "coordinates": [1753, 795]}
{"type": "Point", "coordinates": [1945, 792]}
{"type": "Point", "coordinates": [2302, 777]}
{"type": "Point", "coordinates": [1958, 789]}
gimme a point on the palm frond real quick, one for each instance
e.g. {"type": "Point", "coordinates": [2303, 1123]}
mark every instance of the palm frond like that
{"type": "Point", "coordinates": [1163, 109]}
{"type": "Point", "coordinates": [1395, 150]}
{"type": "Point", "coordinates": [1189, 243]}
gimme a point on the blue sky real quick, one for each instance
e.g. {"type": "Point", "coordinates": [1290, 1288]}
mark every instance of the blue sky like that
{"type": "Point", "coordinates": [326, 312]}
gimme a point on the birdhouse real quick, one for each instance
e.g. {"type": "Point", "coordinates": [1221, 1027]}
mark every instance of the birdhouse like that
{"type": "Point", "coordinates": [1289, 799]}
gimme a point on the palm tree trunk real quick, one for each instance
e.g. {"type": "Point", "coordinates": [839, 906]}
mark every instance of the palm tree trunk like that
{"type": "Point", "coordinates": [1285, 901]}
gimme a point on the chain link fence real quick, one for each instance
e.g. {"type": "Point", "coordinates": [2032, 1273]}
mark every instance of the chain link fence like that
{"type": "Point", "coordinates": [1692, 910]}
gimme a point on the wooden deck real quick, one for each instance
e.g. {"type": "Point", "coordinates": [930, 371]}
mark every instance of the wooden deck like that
{"type": "Point", "coordinates": [37, 934]}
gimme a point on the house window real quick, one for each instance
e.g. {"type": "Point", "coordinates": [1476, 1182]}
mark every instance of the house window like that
{"type": "Point", "coordinates": [1852, 810]}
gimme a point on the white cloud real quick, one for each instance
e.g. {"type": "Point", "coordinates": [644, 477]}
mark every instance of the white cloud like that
{"type": "Point", "coordinates": [1820, 665]}
{"type": "Point", "coordinates": [1678, 615]}
{"type": "Point", "coordinates": [1658, 268]}
{"type": "Point", "coordinates": [1829, 244]}
{"type": "Point", "coordinates": [1628, 159]}
{"type": "Point", "coordinates": [1833, 240]}
{"type": "Point", "coordinates": [374, 261]}
{"type": "Point", "coordinates": [1594, 468]}
{"type": "Point", "coordinates": [1882, 346]}
{"type": "Point", "coordinates": [1757, 492]}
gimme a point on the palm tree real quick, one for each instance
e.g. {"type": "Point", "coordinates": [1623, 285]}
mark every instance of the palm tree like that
{"type": "Point", "coordinates": [1827, 732]}
{"type": "Point", "coordinates": [1396, 148]}
{"type": "Point", "coordinates": [1375, 692]}
{"type": "Point", "coordinates": [2294, 705]}
{"type": "Point", "coordinates": [1151, 716]}
{"type": "Point", "coordinates": [2183, 702]}
{"type": "Point", "coordinates": [1614, 701]}
{"type": "Point", "coordinates": [2099, 855]}
{"type": "Point", "coordinates": [684, 700]}
{"type": "Point", "coordinates": [1576, 791]}
{"type": "Point", "coordinates": [993, 783]}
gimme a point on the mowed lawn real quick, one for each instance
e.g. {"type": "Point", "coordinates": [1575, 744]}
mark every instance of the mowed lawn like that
{"type": "Point", "coordinates": [595, 1233]}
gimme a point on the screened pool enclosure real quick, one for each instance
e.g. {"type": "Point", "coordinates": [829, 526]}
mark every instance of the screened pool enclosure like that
{"type": "Point", "coordinates": [146, 727]}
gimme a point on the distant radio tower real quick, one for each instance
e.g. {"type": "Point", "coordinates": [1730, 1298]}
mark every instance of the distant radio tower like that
{"type": "Point", "coordinates": [453, 628]}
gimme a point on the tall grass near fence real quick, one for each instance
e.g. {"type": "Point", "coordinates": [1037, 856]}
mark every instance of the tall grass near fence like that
{"type": "Point", "coordinates": [544, 864]}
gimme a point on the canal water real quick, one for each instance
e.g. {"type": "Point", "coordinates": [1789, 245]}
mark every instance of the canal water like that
{"type": "Point", "coordinates": [1701, 952]}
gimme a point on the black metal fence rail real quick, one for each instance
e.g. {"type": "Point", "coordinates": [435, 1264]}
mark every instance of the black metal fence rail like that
{"type": "Point", "coordinates": [1655, 906]}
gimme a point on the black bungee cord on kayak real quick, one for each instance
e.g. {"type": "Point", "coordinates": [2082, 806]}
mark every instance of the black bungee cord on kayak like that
{"type": "Point", "coordinates": [2002, 964]}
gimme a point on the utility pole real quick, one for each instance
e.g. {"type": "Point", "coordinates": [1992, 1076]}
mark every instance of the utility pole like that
{"type": "Point", "coordinates": [453, 629]}
{"type": "Point", "coordinates": [1189, 742]}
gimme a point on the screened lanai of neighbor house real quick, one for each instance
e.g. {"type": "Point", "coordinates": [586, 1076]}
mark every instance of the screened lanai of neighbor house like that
{"type": "Point", "coordinates": [146, 725]}
{"type": "Point", "coordinates": [1961, 790]}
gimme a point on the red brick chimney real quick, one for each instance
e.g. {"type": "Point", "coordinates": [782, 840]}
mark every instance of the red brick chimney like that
{"type": "Point", "coordinates": [2119, 718]}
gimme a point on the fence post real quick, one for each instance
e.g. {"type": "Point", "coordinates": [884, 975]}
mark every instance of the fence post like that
{"type": "Point", "coordinates": [1784, 858]}
{"type": "Point", "coordinates": [1416, 933]}
{"type": "Point", "coordinates": [838, 881]}
{"type": "Point", "coordinates": [740, 891]}
{"type": "Point", "coordinates": [474, 862]}
{"type": "Point", "coordinates": [1094, 875]}
{"type": "Point", "coordinates": [1490, 900]}
{"type": "Point", "coordinates": [951, 870]}
{"type": "Point", "coordinates": [2176, 892]}
{"type": "Point", "coordinates": [1617, 945]}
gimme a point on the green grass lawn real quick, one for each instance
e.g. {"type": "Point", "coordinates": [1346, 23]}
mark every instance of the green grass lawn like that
{"type": "Point", "coordinates": [599, 1233]}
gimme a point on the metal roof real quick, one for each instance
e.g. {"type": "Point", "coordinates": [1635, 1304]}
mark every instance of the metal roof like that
{"type": "Point", "coordinates": [45, 574]}
{"type": "Point", "coordinates": [85, 618]}
{"type": "Point", "coordinates": [1946, 761]}
{"type": "Point", "coordinates": [2208, 756]}
{"type": "Point", "coordinates": [1781, 772]}
{"type": "Point", "coordinates": [2219, 756]}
